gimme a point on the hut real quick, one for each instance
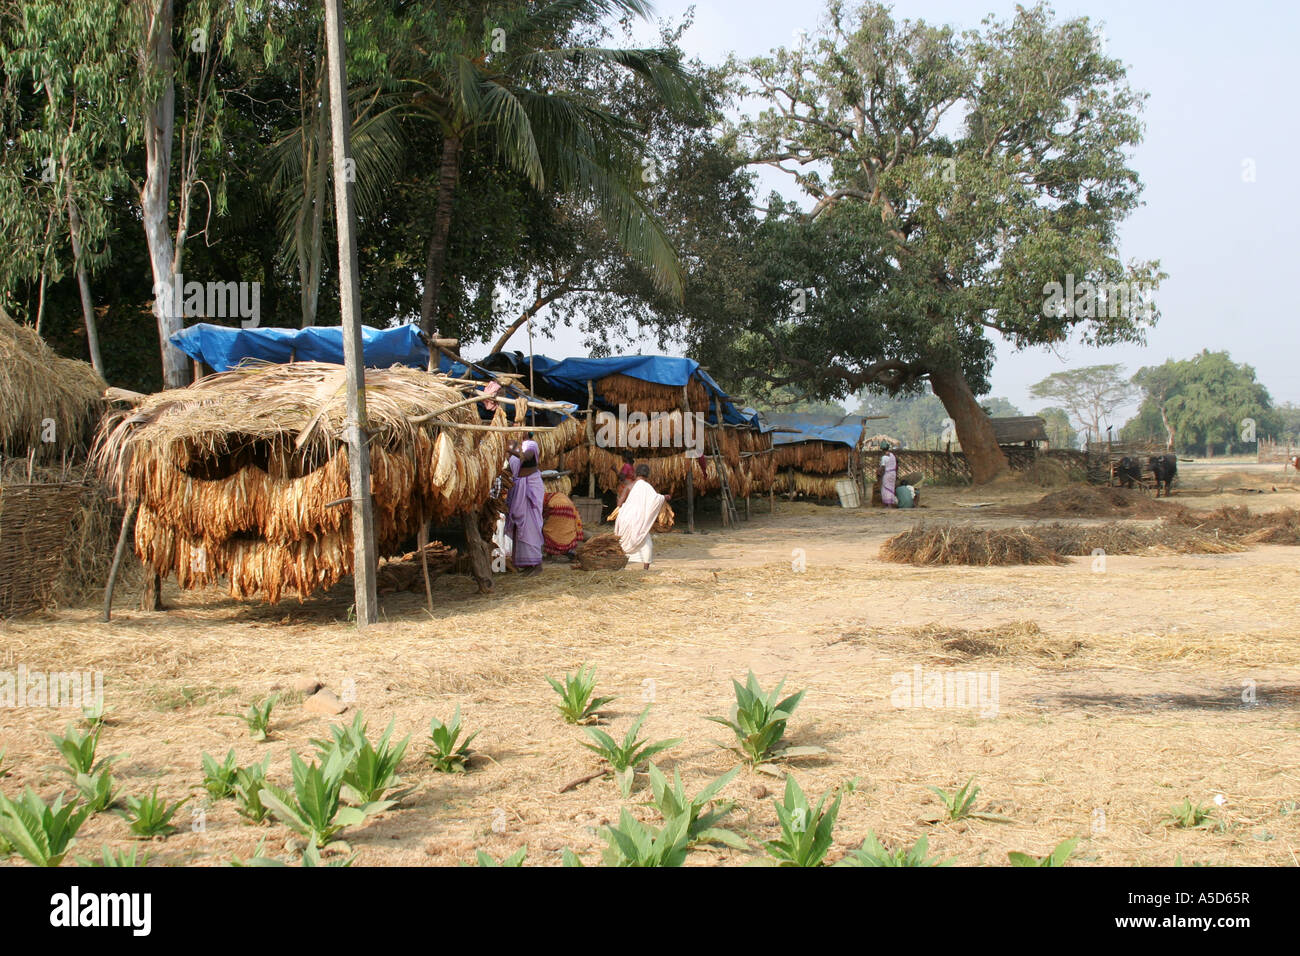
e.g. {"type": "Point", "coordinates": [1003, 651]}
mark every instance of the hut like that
{"type": "Point", "coordinates": [814, 453]}
{"type": "Point", "coordinates": [1024, 431]}
{"type": "Point", "coordinates": [244, 474]}
{"type": "Point", "coordinates": [49, 406]}
{"type": "Point", "coordinates": [655, 408]}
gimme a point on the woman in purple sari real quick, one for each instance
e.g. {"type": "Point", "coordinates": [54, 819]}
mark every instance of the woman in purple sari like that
{"type": "Point", "coordinates": [524, 508]}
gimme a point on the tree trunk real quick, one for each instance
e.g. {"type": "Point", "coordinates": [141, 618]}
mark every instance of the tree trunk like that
{"type": "Point", "coordinates": [83, 286]}
{"type": "Point", "coordinates": [437, 255]}
{"type": "Point", "coordinates": [974, 430]}
{"type": "Point", "coordinates": [480, 552]}
{"type": "Point", "coordinates": [1169, 429]}
{"type": "Point", "coordinates": [159, 127]}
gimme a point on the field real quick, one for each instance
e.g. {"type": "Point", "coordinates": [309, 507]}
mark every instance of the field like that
{"type": "Point", "coordinates": [1112, 693]}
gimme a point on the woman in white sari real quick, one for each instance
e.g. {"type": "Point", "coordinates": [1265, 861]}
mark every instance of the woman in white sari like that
{"type": "Point", "coordinates": [636, 518]}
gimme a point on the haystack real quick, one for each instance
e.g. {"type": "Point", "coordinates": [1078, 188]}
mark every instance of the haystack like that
{"type": "Point", "coordinates": [244, 474]}
{"type": "Point", "coordinates": [1090, 501]}
{"type": "Point", "coordinates": [49, 404]}
{"type": "Point", "coordinates": [1266, 527]}
{"type": "Point", "coordinates": [965, 544]}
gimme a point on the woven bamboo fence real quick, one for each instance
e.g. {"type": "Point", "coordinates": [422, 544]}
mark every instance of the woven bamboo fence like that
{"type": "Point", "coordinates": [34, 522]}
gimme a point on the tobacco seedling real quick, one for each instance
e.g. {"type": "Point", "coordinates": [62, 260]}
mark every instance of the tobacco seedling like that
{"type": "Point", "coordinates": [219, 778]}
{"type": "Point", "coordinates": [633, 843]}
{"type": "Point", "coordinates": [1190, 816]}
{"type": "Point", "coordinates": [806, 832]}
{"type": "Point", "coordinates": [624, 758]}
{"type": "Point", "coordinates": [702, 812]}
{"type": "Point", "coordinates": [371, 774]}
{"type": "Point", "coordinates": [514, 859]}
{"type": "Point", "coordinates": [78, 751]}
{"type": "Point", "coordinates": [40, 834]}
{"type": "Point", "coordinates": [758, 720]}
{"type": "Point", "coordinates": [1057, 857]}
{"type": "Point", "coordinates": [873, 853]}
{"type": "Point", "coordinates": [116, 858]}
{"type": "Point", "coordinates": [96, 790]}
{"type": "Point", "coordinates": [150, 816]}
{"type": "Point", "coordinates": [258, 718]}
{"type": "Point", "coordinates": [576, 704]}
{"type": "Point", "coordinates": [249, 782]}
{"type": "Point", "coordinates": [960, 804]}
{"type": "Point", "coordinates": [446, 755]}
{"type": "Point", "coordinates": [312, 810]}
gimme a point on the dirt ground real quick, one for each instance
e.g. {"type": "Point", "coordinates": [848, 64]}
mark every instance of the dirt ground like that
{"type": "Point", "coordinates": [1113, 692]}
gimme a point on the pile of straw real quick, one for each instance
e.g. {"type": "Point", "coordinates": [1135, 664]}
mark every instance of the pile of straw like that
{"type": "Point", "coordinates": [1159, 537]}
{"type": "Point", "coordinates": [40, 388]}
{"type": "Point", "coordinates": [601, 553]}
{"type": "Point", "coordinates": [1091, 501]}
{"type": "Point", "coordinates": [965, 544]}
{"type": "Point", "coordinates": [241, 475]}
{"type": "Point", "coordinates": [1270, 527]}
{"type": "Point", "coordinates": [1047, 544]}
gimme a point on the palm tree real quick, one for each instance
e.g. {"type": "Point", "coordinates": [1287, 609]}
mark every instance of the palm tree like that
{"type": "Point", "coordinates": [520, 84]}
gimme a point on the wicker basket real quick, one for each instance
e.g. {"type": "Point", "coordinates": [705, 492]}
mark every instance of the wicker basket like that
{"type": "Point", "coordinates": [602, 553]}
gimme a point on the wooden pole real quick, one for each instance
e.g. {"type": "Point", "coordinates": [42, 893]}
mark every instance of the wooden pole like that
{"type": "Point", "coordinates": [357, 429]}
{"type": "Point", "coordinates": [591, 441]}
{"type": "Point", "coordinates": [127, 521]}
{"type": "Point", "coordinates": [422, 542]}
{"type": "Point", "coordinates": [690, 474]}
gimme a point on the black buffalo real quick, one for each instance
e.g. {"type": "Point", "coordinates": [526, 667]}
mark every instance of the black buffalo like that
{"type": "Point", "coordinates": [1127, 471]}
{"type": "Point", "coordinates": [1165, 468]}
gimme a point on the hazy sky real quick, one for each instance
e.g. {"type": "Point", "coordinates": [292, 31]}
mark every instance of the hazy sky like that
{"type": "Point", "coordinates": [1222, 80]}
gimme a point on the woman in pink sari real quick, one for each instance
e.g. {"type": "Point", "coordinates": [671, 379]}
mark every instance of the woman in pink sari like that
{"type": "Point", "coordinates": [524, 509]}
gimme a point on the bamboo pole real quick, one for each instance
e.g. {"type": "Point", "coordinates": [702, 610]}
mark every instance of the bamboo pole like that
{"type": "Point", "coordinates": [364, 570]}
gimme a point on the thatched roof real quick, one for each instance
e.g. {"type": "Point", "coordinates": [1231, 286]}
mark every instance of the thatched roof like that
{"type": "Point", "coordinates": [38, 386]}
{"type": "Point", "coordinates": [1023, 428]}
{"type": "Point", "coordinates": [245, 473]}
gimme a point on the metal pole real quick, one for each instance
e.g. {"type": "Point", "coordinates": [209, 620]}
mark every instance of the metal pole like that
{"type": "Point", "coordinates": [358, 426]}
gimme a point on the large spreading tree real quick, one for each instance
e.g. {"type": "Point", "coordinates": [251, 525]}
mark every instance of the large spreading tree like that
{"type": "Point", "coordinates": [969, 172]}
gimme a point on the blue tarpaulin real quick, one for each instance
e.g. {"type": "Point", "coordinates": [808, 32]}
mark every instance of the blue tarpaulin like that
{"type": "Point", "coordinates": [223, 347]}
{"type": "Point", "coordinates": [568, 378]}
{"type": "Point", "coordinates": [814, 428]}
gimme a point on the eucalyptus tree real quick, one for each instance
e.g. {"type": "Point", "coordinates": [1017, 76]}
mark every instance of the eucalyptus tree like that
{"type": "Point", "coordinates": [992, 168]}
{"type": "Point", "coordinates": [62, 145]}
